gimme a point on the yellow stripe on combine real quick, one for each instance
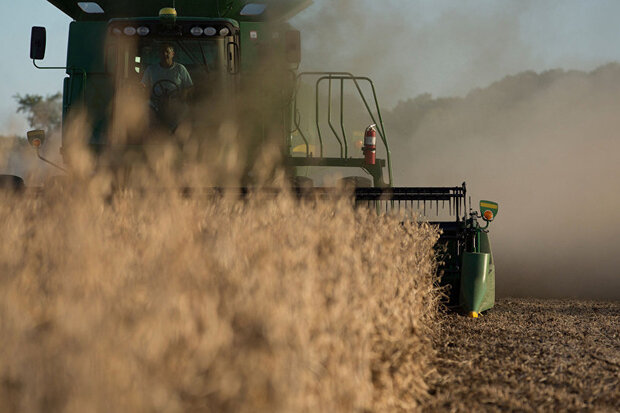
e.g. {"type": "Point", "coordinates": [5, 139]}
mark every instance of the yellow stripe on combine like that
{"type": "Point", "coordinates": [484, 204]}
{"type": "Point", "coordinates": [302, 148]}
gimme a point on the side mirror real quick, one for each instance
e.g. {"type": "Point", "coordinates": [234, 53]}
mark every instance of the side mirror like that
{"type": "Point", "coordinates": [293, 46]}
{"type": "Point", "coordinates": [36, 138]}
{"type": "Point", "coordinates": [488, 210]}
{"type": "Point", "coordinates": [37, 43]}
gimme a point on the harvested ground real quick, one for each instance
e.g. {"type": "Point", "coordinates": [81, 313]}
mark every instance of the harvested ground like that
{"type": "Point", "coordinates": [527, 354]}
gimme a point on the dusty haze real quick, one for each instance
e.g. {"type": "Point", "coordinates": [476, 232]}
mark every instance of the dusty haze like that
{"type": "Point", "coordinates": [545, 146]}
{"type": "Point", "coordinates": [445, 47]}
{"type": "Point", "coordinates": [133, 301]}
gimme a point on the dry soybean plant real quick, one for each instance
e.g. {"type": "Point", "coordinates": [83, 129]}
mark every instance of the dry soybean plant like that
{"type": "Point", "coordinates": [138, 301]}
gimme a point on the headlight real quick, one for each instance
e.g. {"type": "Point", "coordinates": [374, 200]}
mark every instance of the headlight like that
{"type": "Point", "coordinates": [224, 31]}
{"type": "Point", "coordinates": [210, 31]}
{"type": "Point", "coordinates": [196, 31]}
{"type": "Point", "coordinates": [143, 30]}
{"type": "Point", "coordinates": [129, 30]}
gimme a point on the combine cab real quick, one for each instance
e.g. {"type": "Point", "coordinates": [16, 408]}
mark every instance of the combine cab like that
{"type": "Point", "coordinates": [242, 57]}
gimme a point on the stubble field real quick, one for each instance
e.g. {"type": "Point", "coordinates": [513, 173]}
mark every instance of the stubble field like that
{"type": "Point", "coordinates": [529, 355]}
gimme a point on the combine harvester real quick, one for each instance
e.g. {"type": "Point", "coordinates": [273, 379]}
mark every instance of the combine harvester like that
{"type": "Point", "coordinates": [236, 48]}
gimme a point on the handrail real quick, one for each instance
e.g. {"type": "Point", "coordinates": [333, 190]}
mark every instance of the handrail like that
{"type": "Point", "coordinates": [316, 118]}
{"type": "Point", "coordinates": [342, 76]}
{"type": "Point", "coordinates": [297, 118]}
{"type": "Point", "coordinates": [344, 133]}
{"type": "Point", "coordinates": [380, 123]}
{"type": "Point", "coordinates": [329, 118]}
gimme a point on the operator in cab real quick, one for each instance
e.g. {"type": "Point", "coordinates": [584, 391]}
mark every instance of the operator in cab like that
{"type": "Point", "coordinates": [169, 84]}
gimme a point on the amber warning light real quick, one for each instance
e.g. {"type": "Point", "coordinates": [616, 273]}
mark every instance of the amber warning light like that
{"type": "Point", "coordinates": [36, 138]}
{"type": "Point", "coordinates": [489, 210]}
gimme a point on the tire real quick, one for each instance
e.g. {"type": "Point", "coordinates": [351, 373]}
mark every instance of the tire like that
{"type": "Point", "coordinates": [11, 183]}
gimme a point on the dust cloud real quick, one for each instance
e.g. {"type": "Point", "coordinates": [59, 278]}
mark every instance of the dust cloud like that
{"type": "Point", "coordinates": [132, 300]}
{"type": "Point", "coordinates": [413, 47]}
{"type": "Point", "coordinates": [545, 147]}
{"type": "Point", "coordinates": [543, 144]}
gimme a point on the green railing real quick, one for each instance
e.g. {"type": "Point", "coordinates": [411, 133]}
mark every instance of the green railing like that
{"type": "Point", "coordinates": [342, 77]}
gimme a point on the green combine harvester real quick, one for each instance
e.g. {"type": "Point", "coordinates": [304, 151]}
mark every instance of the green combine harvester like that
{"type": "Point", "coordinates": [242, 57]}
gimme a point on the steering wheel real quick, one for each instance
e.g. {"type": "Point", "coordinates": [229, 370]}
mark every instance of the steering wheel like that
{"type": "Point", "coordinates": [165, 88]}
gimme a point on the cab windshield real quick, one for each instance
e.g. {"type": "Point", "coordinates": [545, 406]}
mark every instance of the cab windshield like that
{"type": "Point", "coordinates": [176, 74]}
{"type": "Point", "coordinates": [198, 56]}
{"type": "Point", "coordinates": [129, 60]}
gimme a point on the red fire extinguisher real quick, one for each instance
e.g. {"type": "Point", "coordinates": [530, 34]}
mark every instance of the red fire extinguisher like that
{"type": "Point", "coordinates": [370, 144]}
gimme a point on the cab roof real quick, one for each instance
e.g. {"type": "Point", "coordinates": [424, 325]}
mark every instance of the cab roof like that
{"type": "Point", "coordinates": [241, 10]}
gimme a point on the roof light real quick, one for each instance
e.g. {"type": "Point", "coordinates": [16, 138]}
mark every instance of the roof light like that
{"type": "Point", "coordinates": [129, 30]}
{"type": "Point", "coordinates": [168, 14]}
{"type": "Point", "coordinates": [196, 31]}
{"type": "Point", "coordinates": [210, 31]}
{"type": "Point", "coordinates": [224, 31]}
{"type": "Point", "coordinates": [90, 7]}
{"type": "Point", "coordinates": [253, 9]}
{"type": "Point", "coordinates": [143, 30]}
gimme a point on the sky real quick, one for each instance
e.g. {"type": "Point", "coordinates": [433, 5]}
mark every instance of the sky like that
{"type": "Point", "coordinates": [443, 47]}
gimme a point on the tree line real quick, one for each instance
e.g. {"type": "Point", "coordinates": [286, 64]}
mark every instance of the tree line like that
{"type": "Point", "coordinates": [41, 112]}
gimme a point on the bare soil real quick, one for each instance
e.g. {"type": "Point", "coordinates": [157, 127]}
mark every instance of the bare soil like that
{"type": "Point", "coordinates": [530, 355]}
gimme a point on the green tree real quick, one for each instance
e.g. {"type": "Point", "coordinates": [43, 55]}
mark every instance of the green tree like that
{"type": "Point", "coordinates": [41, 112]}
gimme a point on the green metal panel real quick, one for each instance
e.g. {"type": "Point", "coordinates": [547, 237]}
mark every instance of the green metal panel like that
{"type": "Point", "coordinates": [249, 46]}
{"type": "Point", "coordinates": [95, 99]}
{"type": "Point", "coordinates": [256, 38]}
{"type": "Point", "coordinates": [85, 49]}
{"type": "Point", "coordinates": [488, 300]}
{"type": "Point", "coordinates": [88, 86]}
{"type": "Point", "coordinates": [478, 278]}
{"type": "Point", "coordinates": [275, 9]}
{"type": "Point", "coordinates": [474, 282]}
{"type": "Point", "coordinates": [376, 171]}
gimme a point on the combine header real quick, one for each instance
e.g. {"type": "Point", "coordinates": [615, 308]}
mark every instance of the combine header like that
{"type": "Point", "coordinates": [241, 56]}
